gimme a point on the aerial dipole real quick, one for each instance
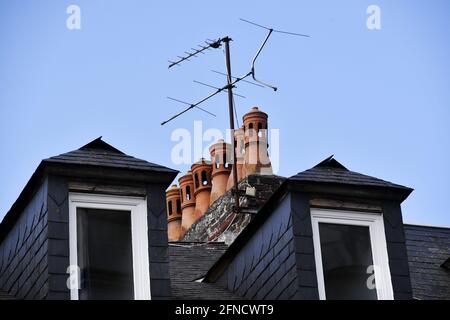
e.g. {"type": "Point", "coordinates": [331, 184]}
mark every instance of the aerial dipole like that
{"type": "Point", "coordinates": [228, 88]}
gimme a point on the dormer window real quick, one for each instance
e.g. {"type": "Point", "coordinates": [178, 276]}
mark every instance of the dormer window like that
{"type": "Point", "coordinates": [351, 255]}
{"type": "Point", "coordinates": [108, 247]}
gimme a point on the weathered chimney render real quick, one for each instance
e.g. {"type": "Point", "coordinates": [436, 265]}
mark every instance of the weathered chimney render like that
{"type": "Point", "coordinates": [221, 168]}
{"type": "Point", "coordinates": [187, 201]}
{"type": "Point", "coordinates": [173, 213]}
{"type": "Point", "coordinates": [256, 155]}
{"type": "Point", "coordinates": [240, 157]}
{"type": "Point", "coordinates": [201, 171]}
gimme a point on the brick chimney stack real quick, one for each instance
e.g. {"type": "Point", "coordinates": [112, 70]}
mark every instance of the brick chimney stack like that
{"type": "Point", "coordinates": [256, 155]}
{"type": "Point", "coordinates": [201, 172]}
{"type": "Point", "coordinates": [240, 157]}
{"type": "Point", "coordinates": [221, 168]}
{"type": "Point", "coordinates": [187, 201]}
{"type": "Point", "coordinates": [174, 214]}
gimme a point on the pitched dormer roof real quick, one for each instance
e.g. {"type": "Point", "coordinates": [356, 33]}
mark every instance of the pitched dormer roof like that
{"type": "Point", "coordinates": [100, 153]}
{"type": "Point", "coordinates": [330, 171]}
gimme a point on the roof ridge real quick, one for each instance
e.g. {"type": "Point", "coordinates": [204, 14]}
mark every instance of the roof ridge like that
{"type": "Point", "coordinates": [99, 144]}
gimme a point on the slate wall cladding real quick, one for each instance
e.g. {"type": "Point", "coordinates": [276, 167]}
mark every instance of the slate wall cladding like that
{"type": "Point", "coordinates": [265, 267]}
{"type": "Point", "coordinates": [58, 238]}
{"type": "Point", "coordinates": [304, 247]}
{"type": "Point", "coordinates": [23, 252]}
{"type": "Point", "coordinates": [158, 242]}
{"type": "Point", "coordinates": [428, 248]}
{"type": "Point", "coordinates": [396, 247]}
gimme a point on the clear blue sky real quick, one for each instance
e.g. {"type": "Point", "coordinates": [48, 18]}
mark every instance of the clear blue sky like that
{"type": "Point", "coordinates": [378, 100]}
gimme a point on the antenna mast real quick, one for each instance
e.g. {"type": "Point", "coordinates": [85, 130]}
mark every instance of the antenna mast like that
{"type": "Point", "coordinates": [230, 111]}
{"type": "Point", "coordinates": [231, 82]}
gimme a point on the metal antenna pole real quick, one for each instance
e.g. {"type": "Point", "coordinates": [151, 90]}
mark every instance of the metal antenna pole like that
{"type": "Point", "coordinates": [231, 113]}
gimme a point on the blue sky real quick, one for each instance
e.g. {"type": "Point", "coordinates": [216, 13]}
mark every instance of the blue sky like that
{"type": "Point", "coordinates": [378, 100]}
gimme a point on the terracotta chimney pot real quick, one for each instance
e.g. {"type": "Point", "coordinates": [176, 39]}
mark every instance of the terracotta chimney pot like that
{"type": "Point", "coordinates": [240, 157]}
{"type": "Point", "coordinates": [201, 171]}
{"type": "Point", "coordinates": [187, 201]}
{"type": "Point", "coordinates": [221, 168]}
{"type": "Point", "coordinates": [174, 214]}
{"type": "Point", "coordinates": [256, 155]}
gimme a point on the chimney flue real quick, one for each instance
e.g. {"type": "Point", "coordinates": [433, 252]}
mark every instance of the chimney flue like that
{"type": "Point", "coordinates": [240, 157]}
{"type": "Point", "coordinates": [201, 171]}
{"type": "Point", "coordinates": [187, 201]}
{"type": "Point", "coordinates": [221, 168]}
{"type": "Point", "coordinates": [174, 214]}
{"type": "Point", "coordinates": [256, 155]}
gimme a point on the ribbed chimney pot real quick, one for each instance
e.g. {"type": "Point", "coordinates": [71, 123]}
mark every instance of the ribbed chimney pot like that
{"type": "Point", "coordinates": [240, 157]}
{"type": "Point", "coordinates": [201, 171]}
{"type": "Point", "coordinates": [256, 155]}
{"type": "Point", "coordinates": [221, 168]}
{"type": "Point", "coordinates": [174, 213]}
{"type": "Point", "coordinates": [187, 201]}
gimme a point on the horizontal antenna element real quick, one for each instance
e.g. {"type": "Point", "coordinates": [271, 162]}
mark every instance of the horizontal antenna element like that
{"type": "Point", "coordinates": [190, 104]}
{"type": "Point", "coordinates": [211, 44]}
{"type": "Point", "coordinates": [274, 30]}
{"type": "Point", "coordinates": [246, 81]}
{"type": "Point", "coordinates": [210, 86]}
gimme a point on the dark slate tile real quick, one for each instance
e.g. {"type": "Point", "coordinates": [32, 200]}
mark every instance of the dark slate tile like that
{"type": "Point", "coordinates": [160, 288]}
{"type": "Point", "coordinates": [397, 250]}
{"type": "Point", "coordinates": [401, 284]}
{"type": "Point", "coordinates": [307, 278]}
{"type": "Point", "coordinates": [57, 247]}
{"type": "Point", "coordinates": [58, 282]}
{"type": "Point", "coordinates": [158, 254]}
{"type": "Point", "coordinates": [307, 293]}
{"type": "Point", "coordinates": [159, 270]}
{"type": "Point", "coordinates": [399, 267]}
{"type": "Point", "coordinates": [305, 261]}
{"type": "Point", "coordinates": [58, 265]}
{"type": "Point", "coordinates": [304, 245]}
{"type": "Point", "coordinates": [157, 238]}
{"type": "Point", "coordinates": [58, 230]}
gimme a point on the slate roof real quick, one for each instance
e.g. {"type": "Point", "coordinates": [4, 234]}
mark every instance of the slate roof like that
{"type": "Point", "coordinates": [5, 296]}
{"type": "Point", "coordinates": [99, 153]}
{"type": "Point", "coordinates": [428, 249]}
{"type": "Point", "coordinates": [191, 261]}
{"type": "Point", "coordinates": [331, 171]}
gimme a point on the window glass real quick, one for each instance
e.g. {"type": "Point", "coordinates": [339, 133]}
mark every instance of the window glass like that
{"type": "Point", "coordinates": [105, 254]}
{"type": "Point", "coordinates": [346, 258]}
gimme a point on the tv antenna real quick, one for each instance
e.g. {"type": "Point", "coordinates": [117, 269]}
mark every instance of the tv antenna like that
{"type": "Point", "coordinates": [228, 88]}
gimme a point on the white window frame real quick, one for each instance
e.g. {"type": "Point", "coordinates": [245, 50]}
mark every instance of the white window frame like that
{"type": "Point", "coordinates": [377, 240]}
{"type": "Point", "coordinates": [139, 238]}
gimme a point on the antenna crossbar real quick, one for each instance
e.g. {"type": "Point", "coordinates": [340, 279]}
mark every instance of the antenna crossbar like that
{"type": "Point", "coordinates": [211, 44]}
{"type": "Point", "coordinates": [214, 87]}
{"type": "Point", "coordinates": [194, 105]}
